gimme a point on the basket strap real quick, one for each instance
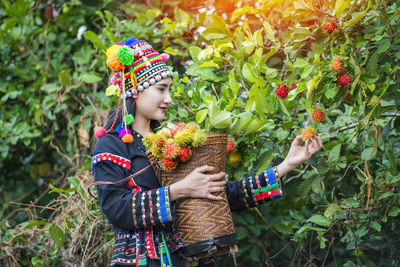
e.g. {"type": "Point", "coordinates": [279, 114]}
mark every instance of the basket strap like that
{"type": "Point", "coordinates": [116, 183]}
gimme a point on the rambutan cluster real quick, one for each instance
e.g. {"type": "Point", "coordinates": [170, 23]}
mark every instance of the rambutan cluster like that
{"type": "Point", "coordinates": [233, 155]}
{"type": "Point", "coordinates": [171, 146]}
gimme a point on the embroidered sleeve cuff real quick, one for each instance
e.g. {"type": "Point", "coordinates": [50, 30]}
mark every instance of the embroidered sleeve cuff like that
{"type": "Point", "coordinates": [152, 207]}
{"type": "Point", "coordinates": [262, 188]}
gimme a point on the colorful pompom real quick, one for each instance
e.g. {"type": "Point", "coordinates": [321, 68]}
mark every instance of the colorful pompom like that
{"type": "Point", "coordinates": [125, 55]}
{"type": "Point", "coordinates": [112, 50]}
{"type": "Point", "coordinates": [114, 80]}
{"type": "Point", "coordinates": [119, 128]}
{"type": "Point", "coordinates": [128, 138]}
{"type": "Point", "coordinates": [123, 132]}
{"type": "Point", "coordinates": [130, 41]}
{"type": "Point", "coordinates": [129, 119]}
{"type": "Point", "coordinates": [99, 132]}
{"type": "Point", "coordinates": [164, 56]}
{"type": "Point", "coordinates": [114, 63]}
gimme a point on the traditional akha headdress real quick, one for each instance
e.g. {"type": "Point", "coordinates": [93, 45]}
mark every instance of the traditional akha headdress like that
{"type": "Point", "coordinates": [136, 66]}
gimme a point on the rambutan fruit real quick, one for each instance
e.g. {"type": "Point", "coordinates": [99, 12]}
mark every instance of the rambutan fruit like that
{"type": "Point", "coordinates": [307, 133]}
{"type": "Point", "coordinates": [165, 133]}
{"type": "Point", "coordinates": [344, 80]}
{"type": "Point", "coordinates": [184, 154]}
{"type": "Point", "coordinates": [157, 151]}
{"type": "Point", "coordinates": [168, 164]}
{"type": "Point", "coordinates": [199, 138]}
{"type": "Point", "coordinates": [171, 150]}
{"type": "Point", "coordinates": [330, 26]}
{"type": "Point", "coordinates": [183, 137]}
{"type": "Point", "coordinates": [336, 64]}
{"type": "Point", "coordinates": [234, 158]}
{"type": "Point", "coordinates": [148, 140]}
{"type": "Point", "coordinates": [318, 115]}
{"type": "Point", "coordinates": [281, 91]}
{"type": "Point", "coordinates": [178, 126]}
{"type": "Point", "coordinates": [230, 146]}
{"type": "Point", "coordinates": [159, 141]}
{"type": "Point", "coordinates": [192, 127]}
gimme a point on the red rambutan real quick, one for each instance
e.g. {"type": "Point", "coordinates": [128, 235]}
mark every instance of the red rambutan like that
{"type": "Point", "coordinates": [230, 146]}
{"type": "Point", "coordinates": [336, 64]}
{"type": "Point", "coordinates": [318, 115]}
{"type": "Point", "coordinates": [168, 164]}
{"type": "Point", "coordinates": [344, 80]}
{"type": "Point", "coordinates": [171, 150]}
{"type": "Point", "coordinates": [282, 91]}
{"type": "Point", "coordinates": [184, 154]}
{"type": "Point", "coordinates": [330, 26]}
{"type": "Point", "coordinates": [177, 127]}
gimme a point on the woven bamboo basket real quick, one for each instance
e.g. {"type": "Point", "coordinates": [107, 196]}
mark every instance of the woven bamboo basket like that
{"type": "Point", "coordinates": [205, 225]}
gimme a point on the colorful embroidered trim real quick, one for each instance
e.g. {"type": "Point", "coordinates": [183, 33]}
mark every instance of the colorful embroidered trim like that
{"type": "Point", "coordinates": [246, 195]}
{"type": "Point", "coordinates": [158, 210]}
{"type": "Point", "coordinates": [252, 191]}
{"type": "Point", "coordinates": [134, 186]}
{"type": "Point", "coordinates": [150, 243]}
{"type": "Point", "coordinates": [143, 209]}
{"type": "Point", "coordinates": [151, 208]}
{"type": "Point", "coordinates": [133, 210]}
{"type": "Point", "coordinates": [270, 176]}
{"type": "Point", "coordinates": [123, 162]}
{"type": "Point", "coordinates": [167, 203]}
{"type": "Point", "coordinates": [268, 194]}
{"type": "Point", "coordinates": [163, 208]}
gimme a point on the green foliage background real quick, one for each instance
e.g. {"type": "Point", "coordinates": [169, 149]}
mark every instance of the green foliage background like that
{"type": "Point", "coordinates": [342, 205]}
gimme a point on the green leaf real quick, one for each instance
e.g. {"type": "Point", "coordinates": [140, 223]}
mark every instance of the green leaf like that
{"type": "Point", "coordinates": [319, 219]}
{"type": "Point", "coordinates": [208, 64]}
{"type": "Point", "coordinates": [112, 90]}
{"type": "Point", "coordinates": [213, 33]}
{"type": "Point", "coordinates": [233, 84]}
{"type": "Point", "coordinates": [201, 115]}
{"type": "Point", "coordinates": [334, 153]}
{"type": "Point", "coordinates": [394, 211]}
{"type": "Point", "coordinates": [35, 223]}
{"type": "Point", "coordinates": [185, 79]}
{"type": "Point", "coordinates": [331, 210]}
{"type": "Point", "coordinates": [57, 235]}
{"type": "Point", "coordinates": [221, 120]}
{"type": "Point", "coordinates": [358, 17]}
{"type": "Point", "coordinates": [367, 153]}
{"type": "Point", "coordinates": [91, 78]}
{"type": "Point", "coordinates": [340, 5]}
{"type": "Point", "coordinates": [248, 73]}
{"type": "Point", "coordinates": [269, 32]}
{"type": "Point", "coordinates": [95, 39]}
{"type": "Point", "coordinates": [300, 63]}
{"type": "Point", "coordinates": [376, 226]}
{"type": "Point", "coordinates": [386, 195]}
{"type": "Point", "coordinates": [383, 45]}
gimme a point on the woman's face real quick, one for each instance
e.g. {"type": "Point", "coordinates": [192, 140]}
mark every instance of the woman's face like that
{"type": "Point", "coordinates": [152, 102]}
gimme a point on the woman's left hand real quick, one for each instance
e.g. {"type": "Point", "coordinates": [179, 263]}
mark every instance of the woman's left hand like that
{"type": "Point", "coordinates": [298, 154]}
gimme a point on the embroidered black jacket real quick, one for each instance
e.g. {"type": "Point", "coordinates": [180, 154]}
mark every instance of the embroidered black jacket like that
{"type": "Point", "coordinates": [140, 210]}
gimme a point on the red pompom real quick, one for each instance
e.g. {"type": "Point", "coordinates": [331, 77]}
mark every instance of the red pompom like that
{"type": "Point", "coordinates": [99, 132]}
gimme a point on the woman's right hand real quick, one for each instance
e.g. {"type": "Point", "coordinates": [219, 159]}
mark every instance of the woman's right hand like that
{"type": "Point", "coordinates": [198, 185]}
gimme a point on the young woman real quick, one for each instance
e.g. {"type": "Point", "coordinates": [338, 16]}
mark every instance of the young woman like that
{"type": "Point", "coordinates": [141, 210]}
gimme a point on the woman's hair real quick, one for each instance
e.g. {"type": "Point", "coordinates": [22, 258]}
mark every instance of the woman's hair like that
{"type": "Point", "coordinates": [131, 109]}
